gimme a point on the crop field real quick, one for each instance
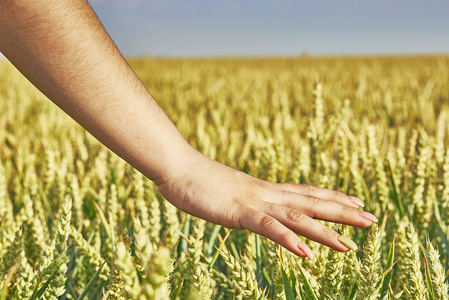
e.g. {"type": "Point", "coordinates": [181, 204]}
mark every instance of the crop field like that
{"type": "Point", "coordinates": [77, 222]}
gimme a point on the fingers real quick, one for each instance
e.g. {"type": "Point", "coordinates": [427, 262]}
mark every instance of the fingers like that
{"type": "Point", "coordinates": [284, 211]}
{"type": "Point", "coordinates": [317, 192]}
{"type": "Point", "coordinates": [281, 223]}
{"type": "Point", "coordinates": [325, 210]}
{"type": "Point", "coordinates": [318, 208]}
{"type": "Point", "coordinates": [271, 228]}
{"type": "Point", "coordinates": [304, 225]}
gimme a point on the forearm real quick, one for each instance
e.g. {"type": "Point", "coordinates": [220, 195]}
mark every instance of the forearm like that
{"type": "Point", "coordinates": [63, 49]}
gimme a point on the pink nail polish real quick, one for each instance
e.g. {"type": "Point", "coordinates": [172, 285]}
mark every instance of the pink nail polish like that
{"type": "Point", "coordinates": [356, 201]}
{"type": "Point", "coordinates": [368, 216]}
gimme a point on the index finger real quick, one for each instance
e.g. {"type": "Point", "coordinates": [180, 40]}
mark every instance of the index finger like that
{"type": "Point", "coordinates": [318, 192]}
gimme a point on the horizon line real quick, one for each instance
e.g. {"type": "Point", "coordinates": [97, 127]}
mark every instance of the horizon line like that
{"type": "Point", "coordinates": [267, 56]}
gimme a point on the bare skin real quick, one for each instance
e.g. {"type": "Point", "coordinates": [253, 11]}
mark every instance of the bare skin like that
{"type": "Point", "coordinates": [63, 49]}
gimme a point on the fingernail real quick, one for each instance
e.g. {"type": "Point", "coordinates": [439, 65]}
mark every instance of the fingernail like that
{"type": "Point", "coordinates": [306, 250]}
{"type": "Point", "coordinates": [368, 216]}
{"type": "Point", "coordinates": [348, 242]}
{"type": "Point", "coordinates": [356, 201]}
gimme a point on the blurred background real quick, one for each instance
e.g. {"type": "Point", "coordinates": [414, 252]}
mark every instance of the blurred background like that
{"type": "Point", "coordinates": [281, 27]}
{"type": "Point", "coordinates": [275, 28]}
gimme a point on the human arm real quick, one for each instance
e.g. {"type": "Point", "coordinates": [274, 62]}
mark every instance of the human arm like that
{"type": "Point", "coordinates": [62, 48]}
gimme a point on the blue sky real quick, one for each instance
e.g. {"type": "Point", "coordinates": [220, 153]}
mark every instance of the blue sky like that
{"type": "Point", "coordinates": [281, 27]}
{"type": "Point", "coordinates": [275, 27]}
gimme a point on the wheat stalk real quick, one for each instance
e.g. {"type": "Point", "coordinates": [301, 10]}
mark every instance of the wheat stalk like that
{"type": "Point", "coordinates": [371, 268]}
{"type": "Point", "coordinates": [437, 272]}
{"type": "Point", "coordinates": [416, 286]}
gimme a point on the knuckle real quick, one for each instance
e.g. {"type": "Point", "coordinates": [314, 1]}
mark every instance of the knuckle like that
{"type": "Point", "coordinates": [267, 221]}
{"type": "Point", "coordinates": [315, 200]}
{"type": "Point", "coordinates": [328, 233]}
{"type": "Point", "coordinates": [346, 211]}
{"type": "Point", "coordinates": [295, 215]}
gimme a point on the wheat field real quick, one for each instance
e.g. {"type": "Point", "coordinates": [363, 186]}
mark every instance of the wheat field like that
{"type": "Point", "coordinates": [77, 222]}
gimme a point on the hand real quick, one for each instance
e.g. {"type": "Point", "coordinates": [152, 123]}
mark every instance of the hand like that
{"type": "Point", "coordinates": [233, 199]}
{"type": "Point", "coordinates": [79, 68]}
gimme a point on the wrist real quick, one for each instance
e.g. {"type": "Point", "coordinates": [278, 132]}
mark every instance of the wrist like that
{"type": "Point", "coordinates": [175, 165]}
